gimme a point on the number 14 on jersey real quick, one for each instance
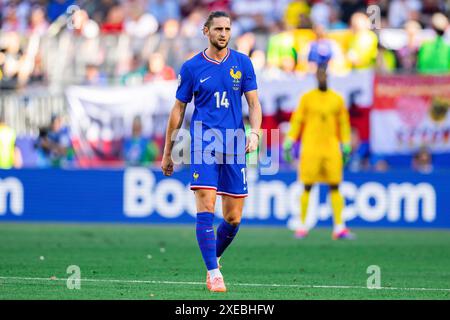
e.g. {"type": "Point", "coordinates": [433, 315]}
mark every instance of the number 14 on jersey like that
{"type": "Point", "coordinates": [221, 101]}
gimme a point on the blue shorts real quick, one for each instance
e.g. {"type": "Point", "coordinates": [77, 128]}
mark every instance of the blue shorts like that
{"type": "Point", "coordinates": [226, 178]}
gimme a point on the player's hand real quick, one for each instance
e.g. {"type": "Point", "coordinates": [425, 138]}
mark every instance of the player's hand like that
{"type": "Point", "coordinates": [167, 165]}
{"type": "Point", "coordinates": [287, 149]}
{"type": "Point", "coordinates": [252, 142]}
{"type": "Point", "coordinates": [346, 151]}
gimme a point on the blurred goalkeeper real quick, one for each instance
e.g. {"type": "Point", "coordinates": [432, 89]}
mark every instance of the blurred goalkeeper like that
{"type": "Point", "coordinates": [322, 120]}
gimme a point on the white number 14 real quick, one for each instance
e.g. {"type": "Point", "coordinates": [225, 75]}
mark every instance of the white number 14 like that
{"type": "Point", "coordinates": [221, 101]}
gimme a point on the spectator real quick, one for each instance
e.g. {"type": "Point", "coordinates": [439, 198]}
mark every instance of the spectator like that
{"type": "Point", "coordinates": [53, 145]}
{"type": "Point", "coordinates": [320, 52]}
{"type": "Point", "coordinates": [380, 164]}
{"type": "Point", "coordinates": [136, 74]}
{"type": "Point", "coordinates": [401, 11]}
{"type": "Point", "coordinates": [12, 62]}
{"type": "Point", "coordinates": [10, 155]}
{"type": "Point", "coordinates": [258, 58]}
{"type": "Point", "coordinates": [335, 20]}
{"type": "Point", "coordinates": [99, 9]}
{"type": "Point", "coordinates": [281, 48]}
{"type": "Point", "coordinates": [386, 62]}
{"type": "Point", "coordinates": [14, 17]}
{"type": "Point", "coordinates": [158, 70]}
{"type": "Point", "coordinates": [171, 45]}
{"type": "Point", "coordinates": [253, 15]}
{"type": "Point", "coordinates": [407, 56]}
{"type": "Point", "coordinates": [246, 43]}
{"type": "Point", "coordinates": [38, 22]}
{"type": "Point", "coordinates": [363, 50]}
{"type": "Point", "coordinates": [164, 10]}
{"type": "Point", "coordinates": [114, 21]}
{"type": "Point", "coordinates": [296, 12]}
{"type": "Point", "coordinates": [192, 26]}
{"type": "Point", "coordinates": [422, 161]}
{"type": "Point", "coordinates": [429, 8]}
{"type": "Point", "coordinates": [137, 149]}
{"type": "Point", "coordinates": [93, 76]}
{"type": "Point", "coordinates": [191, 31]}
{"type": "Point", "coordinates": [140, 24]}
{"type": "Point", "coordinates": [320, 13]}
{"type": "Point", "coordinates": [434, 56]}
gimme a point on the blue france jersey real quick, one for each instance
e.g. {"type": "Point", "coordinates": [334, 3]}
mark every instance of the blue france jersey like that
{"type": "Point", "coordinates": [217, 88]}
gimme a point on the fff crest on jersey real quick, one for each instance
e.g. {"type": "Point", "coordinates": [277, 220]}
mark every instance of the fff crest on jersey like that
{"type": "Point", "coordinates": [236, 75]}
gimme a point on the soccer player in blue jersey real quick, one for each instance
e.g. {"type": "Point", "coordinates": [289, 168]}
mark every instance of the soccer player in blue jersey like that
{"type": "Point", "coordinates": [217, 78]}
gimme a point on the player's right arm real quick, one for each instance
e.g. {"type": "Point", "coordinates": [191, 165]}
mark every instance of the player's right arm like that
{"type": "Point", "coordinates": [184, 96]}
{"type": "Point", "coordinates": [295, 126]}
{"type": "Point", "coordinates": [175, 121]}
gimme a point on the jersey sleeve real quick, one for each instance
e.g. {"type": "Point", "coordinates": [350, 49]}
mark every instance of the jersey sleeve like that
{"type": "Point", "coordinates": [297, 119]}
{"type": "Point", "coordinates": [249, 81]}
{"type": "Point", "coordinates": [344, 122]}
{"type": "Point", "coordinates": [185, 88]}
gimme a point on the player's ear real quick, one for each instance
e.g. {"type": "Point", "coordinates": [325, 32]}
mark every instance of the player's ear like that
{"type": "Point", "coordinates": [205, 30]}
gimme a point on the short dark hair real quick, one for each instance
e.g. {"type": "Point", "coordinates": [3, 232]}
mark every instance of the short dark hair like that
{"type": "Point", "coordinates": [215, 14]}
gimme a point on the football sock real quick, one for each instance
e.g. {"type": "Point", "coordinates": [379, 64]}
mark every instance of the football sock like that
{"type": "Point", "coordinates": [337, 205]}
{"type": "Point", "coordinates": [304, 200]}
{"type": "Point", "coordinates": [206, 239]}
{"type": "Point", "coordinates": [225, 234]}
{"type": "Point", "coordinates": [214, 273]}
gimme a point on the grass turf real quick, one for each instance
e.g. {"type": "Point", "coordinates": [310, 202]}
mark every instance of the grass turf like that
{"type": "Point", "coordinates": [169, 256]}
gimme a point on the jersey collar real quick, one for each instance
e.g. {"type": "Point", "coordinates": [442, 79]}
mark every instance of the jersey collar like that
{"type": "Point", "coordinates": [215, 61]}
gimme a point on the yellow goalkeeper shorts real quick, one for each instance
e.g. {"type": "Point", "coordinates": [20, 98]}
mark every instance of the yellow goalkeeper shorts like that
{"type": "Point", "coordinates": [321, 167]}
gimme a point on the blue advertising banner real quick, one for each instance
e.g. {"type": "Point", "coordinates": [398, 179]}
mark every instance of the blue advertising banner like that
{"type": "Point", "coordinates": [394, 199]}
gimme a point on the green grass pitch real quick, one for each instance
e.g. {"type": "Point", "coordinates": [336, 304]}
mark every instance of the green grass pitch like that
{"type": "Point", "coordinates": [164, 262]}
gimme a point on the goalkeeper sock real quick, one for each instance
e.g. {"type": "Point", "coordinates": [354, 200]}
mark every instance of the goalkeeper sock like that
{"type": "Point", "coordinates": [304, 200]}
{"type": "Point", "coordinates": [337, 205]}
{"type": "Point", "coordinates": [225, 235]}
{"type": "Point", "coordinates": [206, 240]}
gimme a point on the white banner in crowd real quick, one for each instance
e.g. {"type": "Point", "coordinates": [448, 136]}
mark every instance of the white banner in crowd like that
{"type": "Point", "coordinates": [107, 112]}
{"type": "Point", "coordinates": [101, 116]}
{"type": "Point", "coordinates": [107, 103]}
{"type": "Point", "coordinates": [285, 93]}
{"type": "Point", "coordinates": [410, 112]}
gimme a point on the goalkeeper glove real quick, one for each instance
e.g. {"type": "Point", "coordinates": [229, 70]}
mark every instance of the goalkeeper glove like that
{"type": "Point", "coordinates": [346, 151]}
{"type": "Point", "coordinates": [287, 149]}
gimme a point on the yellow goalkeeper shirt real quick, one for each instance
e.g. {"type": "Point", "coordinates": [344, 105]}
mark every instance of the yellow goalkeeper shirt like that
{"type": "Point", "coordinates": [322, 120]}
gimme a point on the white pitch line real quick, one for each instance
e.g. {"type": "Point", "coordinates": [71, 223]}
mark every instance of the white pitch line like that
{"type": "Point", "coordinates": [230, 284]}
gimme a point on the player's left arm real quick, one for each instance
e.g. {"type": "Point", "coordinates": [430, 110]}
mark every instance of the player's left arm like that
{"type": "Point", "coordinates": [344, 130]}
{"type": "Point", "coordinates": [255, 118]}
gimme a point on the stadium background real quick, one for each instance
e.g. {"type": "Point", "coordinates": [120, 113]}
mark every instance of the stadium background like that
{"type": "Point", "coordinates": [76, 81]}
{"type": "Point", "coordinates": [83, 76]}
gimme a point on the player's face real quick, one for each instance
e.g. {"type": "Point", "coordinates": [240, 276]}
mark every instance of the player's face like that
{"type": "Point", "coordinates": [219, 32]}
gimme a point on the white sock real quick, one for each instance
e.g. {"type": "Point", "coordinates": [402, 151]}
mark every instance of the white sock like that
{"type": "Point", "coordinates": [338, 228]}
{"type": "Point", "coordinates": [214, 273]}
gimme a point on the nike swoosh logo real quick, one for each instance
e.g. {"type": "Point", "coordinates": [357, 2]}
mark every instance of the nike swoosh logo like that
{"type": "Point", "coordinates": [203, 80]}
{"type": "Point", "coordinates": [209, 230]}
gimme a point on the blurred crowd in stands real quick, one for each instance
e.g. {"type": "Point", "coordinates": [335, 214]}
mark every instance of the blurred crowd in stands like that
{"type": "Point", "coordinates": [135, 41]}
{"type": "Point", "coordinates": [130, 42]}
